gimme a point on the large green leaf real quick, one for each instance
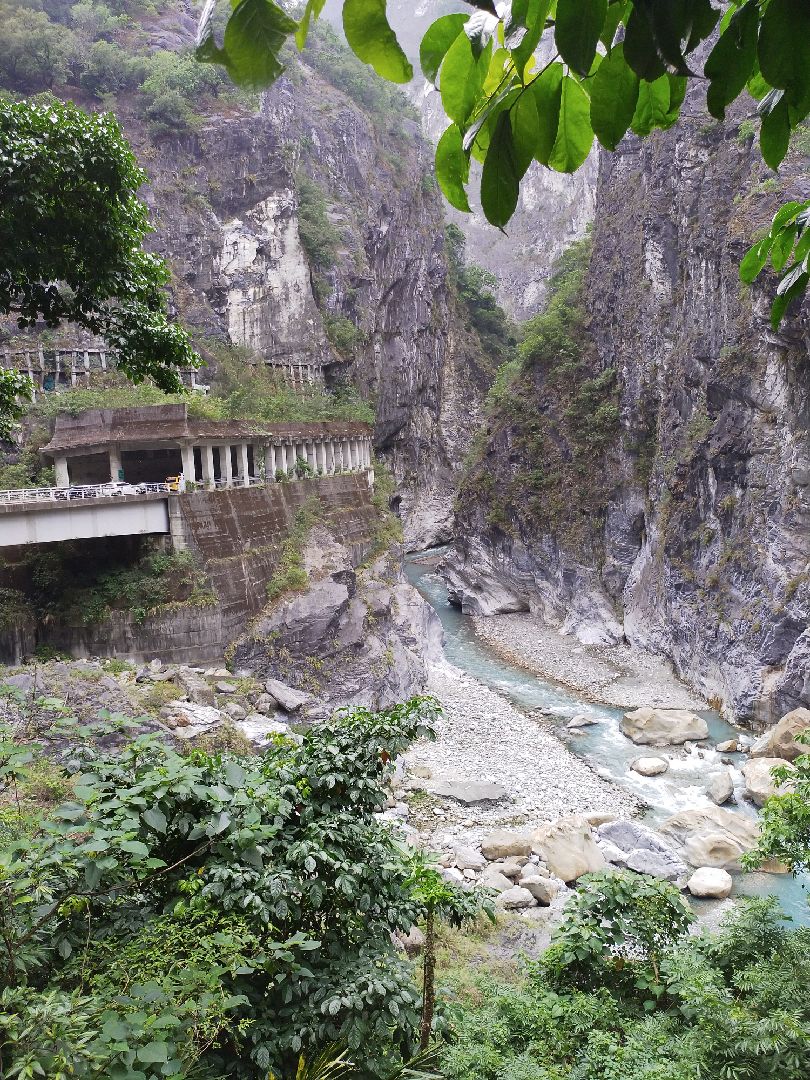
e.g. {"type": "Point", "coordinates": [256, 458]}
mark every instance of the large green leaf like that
{"type": "Point", "coordinates": [784, 49]}
{"type": "Point", "coordinates": [525, 131]}
{"type": "Point", "coordinates": [547, 88]}
{"type": "Point", "coordinates": [653, 106]}
{"type": "Point", "coordinates": [574, 134]}
{"type": "Point", "coordinates": [254, 37]}
{"type": "Point", "coordinates": [614, 95]}
{"type": "Point", "coordinates": [731, 61]}
{"type": "Point", "coordinates": [577, 28]}
{"type": "Point", "coordinates": [774, 132]}
{"type": "Point", "coordinates": [312, 10]}
{"type": "Point", "coordinates": [461, 80]}
{"type": "Point", "coordinates": [616, 13]}
{"type": "Point", "coordinates": [500, 183]}
{"type": "Point", "coordinates": [365, 24]}
{"type": "Point", "coordinates": [678, 26]}
{"type": "Point", "coordinates": [640, 47]}
{"type": "Point", "coordinates": [439, 37]}
{"type": "Point", "coordinates": [453, 168]}
{"type": "Point", "coordinates": [524, 26]}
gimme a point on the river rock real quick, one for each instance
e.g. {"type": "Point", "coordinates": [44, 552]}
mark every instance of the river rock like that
{"type": "Point", "coordinates": [413, 942]}
{"type": "Point", "coordinates": [288, 698]}
{"type": "Point", "coordinates": [502, 843]}
{"type": "Point", "coordinates": [642, 850]}
{"type": "Point", "coordinates": [568, 847]}
{"type": "Point", "coordinates": [468, 792]}
{"type": "Point", "coordinates": [543, 889]}
{"type": "Point", "coordinates": [721, 787]}
{"type": "Point", "coordinates": [649, 766]}
{"type": "Point", "coordinates": [711, 882]}
{"type": "Point", "coordinates": [759, 784]}
{"type": "Point", "coordinates": [234, 710]}
{"type": "Point", "coordinates": [730, 746]}
{"type": "Point", "coordinates": [515, 899]}
{"type": "Point", "coordinates": [467, 858]}
{"type": "Point", "coordinates": [711, 836]}
{"type": "Point", "coordinates": [225, 688]}
{"type": "Point", "coordinates": [492, 879]}
{"type": "Point", "coordinates": [580, 721]}
{"type": "Point", "coordinates": [510, 867]}
{"type": "Point", "coordinates": [663, 727]}
{"type": "Point", "coordinates": [780, 741]}
{"type": "Point", "coordinates": [195, 686]}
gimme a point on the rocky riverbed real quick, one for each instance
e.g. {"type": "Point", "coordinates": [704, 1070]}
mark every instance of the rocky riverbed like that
{"type": "Point", "coordinates": [618, 675]}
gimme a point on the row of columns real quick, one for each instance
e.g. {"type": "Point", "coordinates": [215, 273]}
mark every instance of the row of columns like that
{"type": "Point", "coordinates": [73, 367]}
{"type": "Point", "coordinates": [322, 457]}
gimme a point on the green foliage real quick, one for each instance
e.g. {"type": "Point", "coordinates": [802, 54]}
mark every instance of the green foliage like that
{"type": "Point", "coordinates": [787, 246]}
{"type": "Point", "coordinates": [64, 586]}
{"type": "Point", "coordinates": [728, 1006]}
{"type": "Point", "coordinates": [562, 414]}
{"type": "Point", "coordinates": [344, 335]}
{"type": "Point", "coordinates": [290, 575]}
{"type": "Point", "coordinates": [614, 67]}
{"type": "Point", "coordinates": [785, 819]}
{"type": "Point", "coordinates": [389, 528]}
{"type": "Point", "coordinates": [213, 915]}
{"type": "Point", "coordinates": [30, 469]}
{"type": "Point", "coordinates": [71, 235]}
{"type": "Point", "coordinates": [474, 288]}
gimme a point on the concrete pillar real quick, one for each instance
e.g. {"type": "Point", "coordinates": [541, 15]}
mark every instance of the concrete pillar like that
{"type": "Point", "coordinates": [320, 456]}
{"type": "Point", "coordinates": [62, 476]}
{"type": "Point", "coordinates": [226, 466]}
{"type": "Point", "coordinates": [189, 469]}
{"type": "Point", "coordinates": [207, 455]}
{"type": "Point", "coordinates": [310, 454]}
{"type": "Point", "coordinates": [344, 455]}
{"type": "Point", "coordinates": [116, 470]}
{"type": "Point", "coordinates": [244, 466]}
{"type": "Point", "coordinates": [269, 464]}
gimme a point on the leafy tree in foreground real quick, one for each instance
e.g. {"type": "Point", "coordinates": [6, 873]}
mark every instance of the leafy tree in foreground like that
{"type": "Point", "coordinates": [215, 916]}
{"type": "Point", "coordinates": [71, 236]}
{"type": "Point", "coordinates": [613, 66]}
{"type": "Point", "coordinates": [785, 819]}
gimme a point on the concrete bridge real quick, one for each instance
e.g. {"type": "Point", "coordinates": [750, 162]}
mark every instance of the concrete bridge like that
{"type": "Point", "coordinates": [50, 515]}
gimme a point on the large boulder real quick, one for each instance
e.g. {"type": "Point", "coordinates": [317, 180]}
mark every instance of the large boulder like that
{"type": "Point", "coordinates": [195, 686]}
{"type": "Point", "coordinates": [780, 741]}
{"type": "Point", "coordinates": [543, 889]}
{"type": "Point", "coordinates": [502, 843]}
{"type": "Point", "coordinates": [641, 850]}
{"type": "Point", "coordinates": [515, 899]}
{"type": "Point", "coordinates": [468, 792]}
{"type": "Point", "coordinates": [708, 881]}
{"type": "Point", "coordinates": [721, 787]}
{"type": "Point", "coordinates": [711, 836]}
{"type": "Point", "coordinates": [467, 858]}
{"type": "Point", "coordinates": [663, 727]}
{"type": "Point", "coordinates": [493, 879]}
{"type": "Point", "coordinates": [568, 847]}
{"type": "Point", "coordinates": [759, 784]}
{"type": "Point", "coordinates": [649, 766]}
{"type": "Point", "coordinates": [288, 698]}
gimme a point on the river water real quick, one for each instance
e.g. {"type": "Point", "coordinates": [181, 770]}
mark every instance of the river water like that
{"type": "Point", "coordinates": [682, 787]}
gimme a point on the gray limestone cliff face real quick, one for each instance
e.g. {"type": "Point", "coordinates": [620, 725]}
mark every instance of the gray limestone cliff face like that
{"type": "Point", "coordinates": [700, 543]}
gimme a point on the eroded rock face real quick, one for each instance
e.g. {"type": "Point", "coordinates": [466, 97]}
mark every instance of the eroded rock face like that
{"type": "Point", "coordinates": [663, 727]}
{"type": "Point", "coordinates": [568, 848]}
{"type": "Point", "coordinates": [696, 546]}
{"type": "Point", "coordinates": [780, 741]}
{"type": "Point", "coordinates": [759, 784]}
{"type": "Point", "coordinates": [353, 637]}
{"type": "Point", "coordinates": [711, 836]}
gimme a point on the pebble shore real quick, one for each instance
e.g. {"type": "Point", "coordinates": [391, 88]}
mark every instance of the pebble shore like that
{"type": "Point", "coordinates": [483, 738]}
{"type": "Point", "coordinates": [616, 675]}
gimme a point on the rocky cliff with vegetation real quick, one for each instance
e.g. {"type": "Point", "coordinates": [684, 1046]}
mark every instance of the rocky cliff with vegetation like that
{"type": "Point", "coordinates": [644, 470]}
{"type": "Point", "coordinates": [302, 224]}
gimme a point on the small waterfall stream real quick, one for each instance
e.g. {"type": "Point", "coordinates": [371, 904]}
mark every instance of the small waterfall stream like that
{"type": "Point", "coordinates": [682, 787]}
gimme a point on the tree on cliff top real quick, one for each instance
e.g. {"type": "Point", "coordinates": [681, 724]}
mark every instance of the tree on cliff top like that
{"type": "Point", "coordinates": [71, 236]}
{"type": "Point", "coordinates": [612, 66]}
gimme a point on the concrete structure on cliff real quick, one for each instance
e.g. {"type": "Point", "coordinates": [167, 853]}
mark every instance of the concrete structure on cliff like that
{"type": "Point", "coordinates": [146, 445]}
{"type": "Point", "coordinates": [112, 467]}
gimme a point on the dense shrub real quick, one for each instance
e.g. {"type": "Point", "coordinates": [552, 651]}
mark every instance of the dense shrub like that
{"type": "Point", "coordinates": [215, 916]}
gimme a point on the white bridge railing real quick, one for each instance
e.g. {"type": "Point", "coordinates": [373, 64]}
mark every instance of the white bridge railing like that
{"type": "Point", "coordinates": [84, 491]}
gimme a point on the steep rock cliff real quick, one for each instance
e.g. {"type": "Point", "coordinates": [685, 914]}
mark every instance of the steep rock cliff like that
{"type": "Point", "coordinates": [688, 532]}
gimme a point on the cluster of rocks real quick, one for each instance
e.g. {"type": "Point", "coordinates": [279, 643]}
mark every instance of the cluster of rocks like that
{"type": "Point", "coordinates": [260, 711]}
{"type": "Point", "coordinates": [695, 850]}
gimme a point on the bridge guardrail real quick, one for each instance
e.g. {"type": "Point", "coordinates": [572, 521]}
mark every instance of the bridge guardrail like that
{"type": "Point", "coordinates": [79, 492]}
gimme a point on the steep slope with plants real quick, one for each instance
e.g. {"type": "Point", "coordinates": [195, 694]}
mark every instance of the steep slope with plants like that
{"type": "Point", "coordinates": [300, 225]}
{"type": "Point", "coordinates": [644, 472]}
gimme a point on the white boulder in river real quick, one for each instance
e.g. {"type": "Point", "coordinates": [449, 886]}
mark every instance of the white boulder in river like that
{"type": "Point", "coordinates": [780, 741]}
{"type": "Point", "coordinates": [568, 847]}
{"type": "Point", "coordinates": [649, 766]}
{"type": "Point", "coordinates": [721, 787]}
{"type": "Point", "coordinates": [663, 727]}
{"type": "Point", "coordinates": [713, 836]}
{"type": "Point", "coordinates": [759, 784]}
{"type": "Point", "coordinates": [710, 882]}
